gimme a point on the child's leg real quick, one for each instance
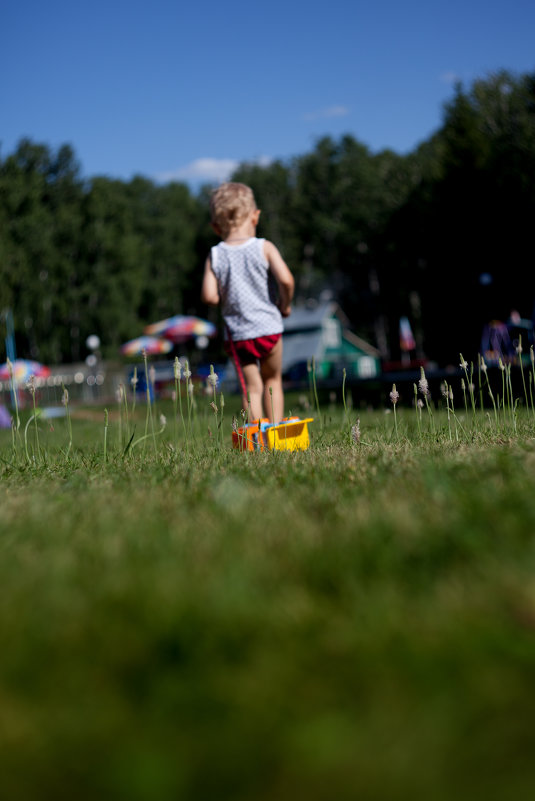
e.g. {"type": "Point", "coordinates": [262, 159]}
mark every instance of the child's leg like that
{"type": "Point", "coordinates": [271, 375]}
{"type": "Point", "coordinates": [254, 383]}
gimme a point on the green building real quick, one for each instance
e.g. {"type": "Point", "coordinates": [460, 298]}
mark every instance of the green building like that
{"type": "Point", "coordinates": [321, 332]}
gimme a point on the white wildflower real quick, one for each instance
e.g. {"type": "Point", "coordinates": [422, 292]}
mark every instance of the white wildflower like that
{"type": "Point", "coordinates": [163, 420]}
{"type": "Point", "coordinates": [30, 385]}
{"type": "Point", "coordinates": [212, 378]}
{"type": "Point", "coordinates": [394, 395]}
{"type": "Point", "coordinates": [483, 365]}
{"type": "Point", "coordinates": [423, 383]}
{"type": "Point", "coordinates": [464, 364]}
{"type": "Point", "coordinates": [65, 397]}
{"type": "Point", "coordinates": [355, 432]}
{"type": "Point", "coordinates": [178, 369]}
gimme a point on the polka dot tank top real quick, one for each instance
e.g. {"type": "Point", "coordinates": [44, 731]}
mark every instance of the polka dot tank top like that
{"type": "Point", "coordinates": [248, 290]}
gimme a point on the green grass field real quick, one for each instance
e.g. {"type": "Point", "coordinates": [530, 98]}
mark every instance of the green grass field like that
{"type": "Point", "coordinates": [356, 621]}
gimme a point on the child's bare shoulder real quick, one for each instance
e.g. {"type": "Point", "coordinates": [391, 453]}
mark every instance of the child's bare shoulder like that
{"type": "Point", "coordinates": [270, 249]}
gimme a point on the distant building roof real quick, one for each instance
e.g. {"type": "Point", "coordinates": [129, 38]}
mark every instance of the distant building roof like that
{"type": "Point", "coordinates": [304, 318]}
{"type": "Point", "coordinates": [300, 347]}
{"type": "Point", "coordinates": [311, 318]}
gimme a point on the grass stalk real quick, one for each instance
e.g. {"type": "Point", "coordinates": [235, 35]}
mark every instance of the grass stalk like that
{"type": "Point", "coordinates": [189, 399]}
{"type": "Point", "coordinates": [346, 411]}
{"type": "Point", "coordinates": [394, 397]}
{"type": "Point", "coordinates": [134, 382]}
{"type": "Point", "coordinates": [470, 383]}
{"type": "Point", "coordinates": [105, 449]}
{"type": "Point", "coordinates": [483, 367]}
{"type": "Point", "coordinates": [15, 398]}
{"type": "Point", "coordinates": [532, 377]}
{"type": "Point", "coordinates": [418, 411]}
{"type": "Point", "coordinates": [513, 403]}
{"type": "Point", "coordinates": [480, 387]}
{"type": "Point", "coordinates": [519, 352]}
{"type": "Point", "coordinates": [316, 391]}
{"type": "Point", "coordinates": [271, 404]}
{"type": "Point", "coordinates": [35, 415]}
{"type": "Point", "coordinates": [502, 368]}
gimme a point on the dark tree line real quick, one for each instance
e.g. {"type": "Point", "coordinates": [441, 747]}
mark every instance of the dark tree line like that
{"type": "Point", "coordinates": [442, 235]}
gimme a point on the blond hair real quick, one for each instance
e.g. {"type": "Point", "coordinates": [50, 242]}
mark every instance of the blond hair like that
{"type": "Point", "coordinates": [230, 204]}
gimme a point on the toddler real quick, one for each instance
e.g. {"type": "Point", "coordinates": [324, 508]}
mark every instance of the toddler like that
{"type": "Point", "coordinates": [255, 287]}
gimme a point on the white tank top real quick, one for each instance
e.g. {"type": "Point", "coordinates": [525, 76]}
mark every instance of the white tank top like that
{"type": "Point", "coordinates": [248, 290]}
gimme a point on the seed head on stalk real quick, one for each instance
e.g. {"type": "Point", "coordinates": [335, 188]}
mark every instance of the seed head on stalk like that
{"type": "Point", "coordinates": [65, 402]}
{"type": "Point", "coordinates": [394, 397]}
{"type": "Point", "coordinates": [212, 379]}
{"type": "Point", "coordinates": [30, 385]}
{"type": "Point", "coordinates": [423, 384]}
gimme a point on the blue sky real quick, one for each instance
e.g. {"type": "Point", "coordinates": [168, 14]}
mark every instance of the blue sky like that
{"type": "Point", "coordinates": [187, 91]}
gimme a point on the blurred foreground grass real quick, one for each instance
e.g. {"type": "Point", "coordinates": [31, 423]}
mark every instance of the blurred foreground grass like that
{"type": "Point", "coordinates": [352, 622]}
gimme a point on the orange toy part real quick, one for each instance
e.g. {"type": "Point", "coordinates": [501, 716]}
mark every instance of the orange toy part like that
{"type": "Point", "coordinates": [248, 437]}
{"type": "Point", "coordinates": [291, 434]}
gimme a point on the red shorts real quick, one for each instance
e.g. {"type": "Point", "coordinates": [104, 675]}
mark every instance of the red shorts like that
{"type": "Point", "coordinates": [249, 350]}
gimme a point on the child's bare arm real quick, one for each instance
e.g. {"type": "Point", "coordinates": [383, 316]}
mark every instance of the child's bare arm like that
{"type": "Point", "coordinates": [283, 276]}
{"type": "Point", "coordinates": [210, 289]}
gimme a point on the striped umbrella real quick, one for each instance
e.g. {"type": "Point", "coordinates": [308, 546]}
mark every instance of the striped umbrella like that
{"type": "Point", "coordinates": [151, 345]}
{"type": "Point", "coordinates": [22, 369]}
{"type": "Point", "coordinates": [182, 327]}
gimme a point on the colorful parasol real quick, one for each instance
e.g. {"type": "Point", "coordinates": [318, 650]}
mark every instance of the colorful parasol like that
{"type": "Point", "coordinates": [151, 345]}
{"type": "Point", "coordinates": [22, 370]}
{"type": "Point", "coordinates": [406, 337]}
{"type": "Point", "coordinates": [182, 327]}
